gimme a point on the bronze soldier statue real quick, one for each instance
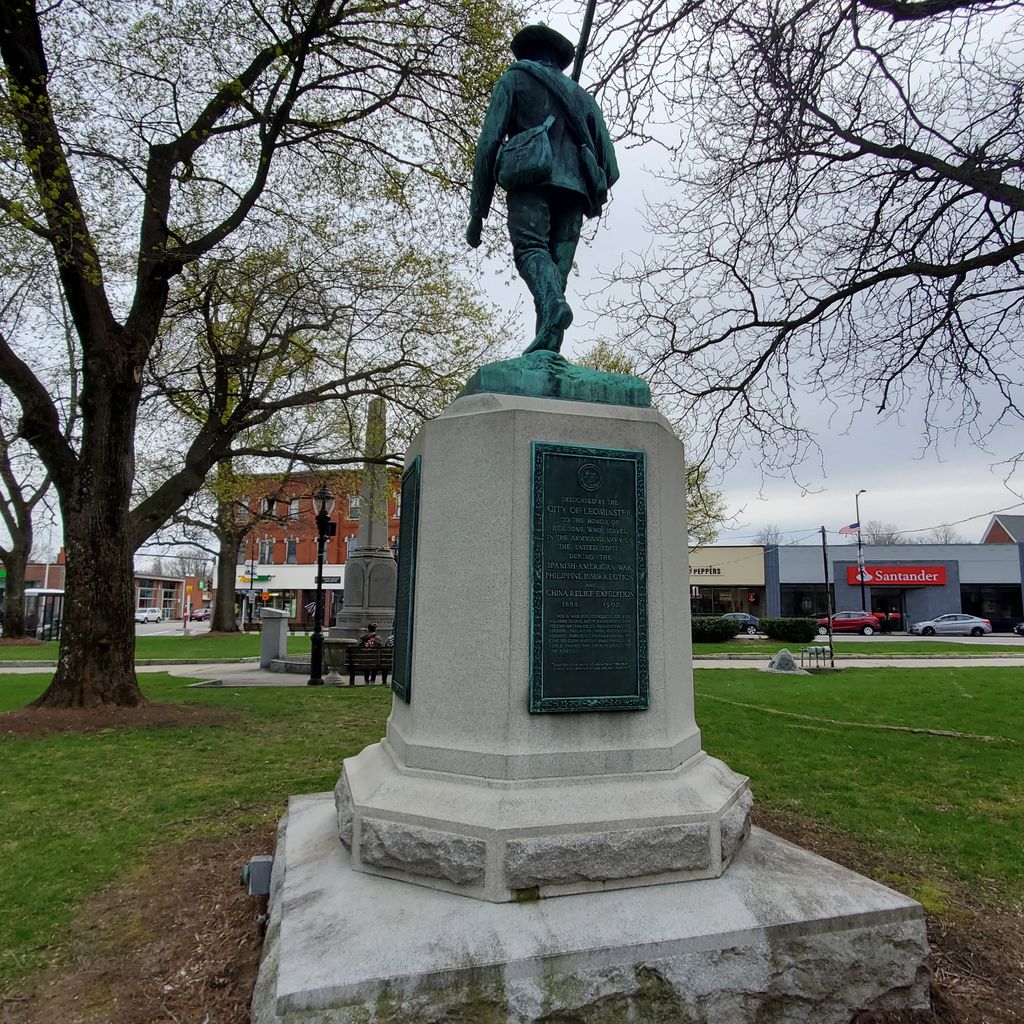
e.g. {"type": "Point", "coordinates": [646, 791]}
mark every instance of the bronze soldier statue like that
{"type": "Point", "coordinates": [545, 142]}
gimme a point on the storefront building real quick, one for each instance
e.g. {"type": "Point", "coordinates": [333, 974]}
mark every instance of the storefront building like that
{"type": "Point", "coordinates": [727, 579]}
{"type": "Point", "coordinates": [904, 582]}
{"type": "Point", "coordinates": [276, 565]}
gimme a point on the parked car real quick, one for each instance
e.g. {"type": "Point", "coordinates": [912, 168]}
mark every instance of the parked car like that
{"type": "Point", "coordinates": [148, 615]}
{"type": "Point", "coordinates": [851, 622]}
{"type": "Point", "coordinates": [953, 624]}
{"type": "Point", "coordinates": [200, 615]}
{"type": "Point", "coordinates": [1019, 629]}
{"type": "Point", "coordinates": [744, 623]}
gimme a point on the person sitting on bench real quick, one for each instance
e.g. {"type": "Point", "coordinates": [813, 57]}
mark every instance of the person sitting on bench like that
{"type": "Point", "coordinates": [371, 640]}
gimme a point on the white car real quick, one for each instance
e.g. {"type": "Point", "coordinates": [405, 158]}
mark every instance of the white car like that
{"type": "Point", "coordinates": [148, 615]}
{"type": "Point", "coordinates": [954, 624]}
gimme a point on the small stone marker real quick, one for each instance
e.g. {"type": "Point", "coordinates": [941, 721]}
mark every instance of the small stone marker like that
{"type": "Point", "coordinates": [785, 664]}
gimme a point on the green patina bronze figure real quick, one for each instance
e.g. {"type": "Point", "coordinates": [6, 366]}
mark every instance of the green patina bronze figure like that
{"type": "Point", "coordinates": [545, 143]}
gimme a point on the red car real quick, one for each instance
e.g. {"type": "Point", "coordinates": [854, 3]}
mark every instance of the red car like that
{"type": "Point", "coordinates": [851, 622]}
{"type": "Point", "coordinates": [200, 615]}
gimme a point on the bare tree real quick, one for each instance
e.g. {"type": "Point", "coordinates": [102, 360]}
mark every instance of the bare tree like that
{"type": "Point", "coordinates": [876, 532]}
{"type": "Point", "coordinates": [770, 536]}
{"type": "Point", "coordinates": [136, 149]}
{"type": "Point", "coordinates": [845, 226]}
{"type": "Point", "coordinates": [944, 534]}
{"type": "Point", "coordinates": [23, 486]}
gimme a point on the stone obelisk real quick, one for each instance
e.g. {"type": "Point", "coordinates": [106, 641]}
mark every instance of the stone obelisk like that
{"type": "Point", "coordinates": [370, 570]}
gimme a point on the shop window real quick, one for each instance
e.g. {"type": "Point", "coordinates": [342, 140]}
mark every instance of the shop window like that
{"type": "Point", "coordinates": [999, 603]}
{"type": "Point", "coordinates": [805, 600]}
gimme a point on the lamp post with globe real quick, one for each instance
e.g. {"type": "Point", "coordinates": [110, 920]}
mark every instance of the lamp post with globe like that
{"type": "Point", "coordinates": [323, 506]}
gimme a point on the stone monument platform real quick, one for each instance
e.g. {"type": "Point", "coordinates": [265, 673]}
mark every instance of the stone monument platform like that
{"type": "Point", "coordinates": [782, 936]}
{"type": "Point", "coordinates": [540, 837]}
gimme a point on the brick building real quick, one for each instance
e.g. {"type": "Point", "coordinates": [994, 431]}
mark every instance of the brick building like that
{"type": "Point", "coordinates": [277, 560]}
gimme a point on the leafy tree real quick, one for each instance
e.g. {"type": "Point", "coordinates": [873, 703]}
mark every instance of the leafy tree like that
{"type": "Point", "coordinates": [845, 222]}
{"type": "Point", "coordinates": [148, 149]}
{"type": "Point", "coordinates": [705, 507]}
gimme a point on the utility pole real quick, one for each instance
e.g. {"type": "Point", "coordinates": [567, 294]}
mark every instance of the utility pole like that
{"type": "Point", "coordinates": [860, 552]}
{"type": "Point", "coordinates": [828, 599]}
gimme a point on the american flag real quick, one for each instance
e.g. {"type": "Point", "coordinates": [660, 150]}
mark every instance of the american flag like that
{"type": "Point", "coordinates": [853, 528]}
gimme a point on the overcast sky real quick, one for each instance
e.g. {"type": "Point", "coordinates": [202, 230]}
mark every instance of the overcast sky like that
{"type": "Point", "coordinates": [907, 485]}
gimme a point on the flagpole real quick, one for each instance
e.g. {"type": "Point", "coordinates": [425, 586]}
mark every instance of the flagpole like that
{"type": "Point", "coordinates": [588, 20]}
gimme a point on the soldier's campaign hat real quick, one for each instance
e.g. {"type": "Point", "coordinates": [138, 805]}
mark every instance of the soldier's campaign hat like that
{"type": "Point", "coordinates": [526, 42]}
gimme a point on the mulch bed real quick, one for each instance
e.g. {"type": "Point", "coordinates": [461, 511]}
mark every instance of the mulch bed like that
{"type": "Point", "coordinates": [181, 942]}
{"type": "Point", "coordinates": [46, 721]}
{"type": "Point", "coordinates": [20, 641]}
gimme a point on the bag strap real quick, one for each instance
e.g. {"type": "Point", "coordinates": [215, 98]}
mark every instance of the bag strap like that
{"type": "Point", "coordinates": [555, 88]}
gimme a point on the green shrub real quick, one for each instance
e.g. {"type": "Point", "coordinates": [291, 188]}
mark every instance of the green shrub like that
{"type": "Point", "coordinates": [793, 631]}
{"type": "Point", "coordinates": [707, 630]}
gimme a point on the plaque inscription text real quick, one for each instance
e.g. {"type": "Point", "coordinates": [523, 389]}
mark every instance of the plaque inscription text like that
{"type": "Point", "coordinates": [589, 578]}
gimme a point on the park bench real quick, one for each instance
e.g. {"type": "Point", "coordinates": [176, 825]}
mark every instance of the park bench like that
{"type": "Point", "coordinates": [369, 659]}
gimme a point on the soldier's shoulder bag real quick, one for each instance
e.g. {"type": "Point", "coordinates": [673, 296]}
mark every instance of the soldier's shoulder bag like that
{"type": "Point", "coordinates": [526, 158]}
{"type": "Point", "coordinates": [594, 177]}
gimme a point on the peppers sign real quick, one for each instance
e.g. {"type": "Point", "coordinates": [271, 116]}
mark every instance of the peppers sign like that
{"type": "Point", "coordinates": [898, 575]}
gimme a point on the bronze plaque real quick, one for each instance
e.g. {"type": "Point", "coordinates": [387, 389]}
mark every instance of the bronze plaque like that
{"type": "Point", "coordinates": [589, 574]}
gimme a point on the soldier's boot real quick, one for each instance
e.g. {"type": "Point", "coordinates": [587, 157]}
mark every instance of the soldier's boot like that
{"type": "Point", "coordinates": [554, 314]}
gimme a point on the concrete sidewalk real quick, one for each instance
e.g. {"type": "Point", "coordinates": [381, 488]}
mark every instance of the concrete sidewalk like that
{"type": "Point", "coordinates": [248, 675]}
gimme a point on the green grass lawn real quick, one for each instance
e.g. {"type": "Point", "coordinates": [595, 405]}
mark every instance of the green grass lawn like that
{"type": "Point", "coordinates": [171, 648]}
{"type": "Point", "coordinates": [80, 810]}
{"type": "Point", "coordinates": [247, 645]}
{"type": "Point", "coordinates": [939, 803]}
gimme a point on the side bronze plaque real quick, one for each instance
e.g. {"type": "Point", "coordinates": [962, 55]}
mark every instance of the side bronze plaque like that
{"type": "Point", "coordinates": [401, 674]}
{"type": "Point", "coordinates": [589, 580]}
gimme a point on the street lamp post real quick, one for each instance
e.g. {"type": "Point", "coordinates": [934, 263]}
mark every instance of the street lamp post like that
{"type": "Point", "coordinates": [323, 506]}
{"type": "Point", "coordinates": [860, 551]}
{"type": "Point", "coordinates": [252, 576]}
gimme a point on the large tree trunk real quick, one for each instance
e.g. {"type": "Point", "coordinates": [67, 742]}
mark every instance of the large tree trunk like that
{"type": "Point", "coordinates": [14, 595]}
{"type": "Point", "coordinates": [97, 653]}
{"type": "Point", "coordinates": [224, 620]}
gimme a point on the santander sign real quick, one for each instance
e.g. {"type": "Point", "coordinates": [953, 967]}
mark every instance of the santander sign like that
{"type": "Point", "coordinates": [898, 575]}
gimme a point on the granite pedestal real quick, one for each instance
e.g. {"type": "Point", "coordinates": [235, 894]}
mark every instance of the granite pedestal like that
{"type": "Point", "coordinates": [472, 792]}
{"type": "Point", "coordinates": [783, 937]}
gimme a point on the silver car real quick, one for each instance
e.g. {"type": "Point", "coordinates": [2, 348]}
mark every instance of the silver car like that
{"type": "Point", "coordinates": [954, 624]}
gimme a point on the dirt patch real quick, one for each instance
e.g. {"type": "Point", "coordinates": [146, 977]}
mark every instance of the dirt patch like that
{"type": "Point", "coordinates": [20, 641]}
{"type": "Point", "coordinates": [46, 721]}
{"type": "Point", "coordinates": [977, 950]}
{"type": "Point", "coordinates": [178, 943]}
